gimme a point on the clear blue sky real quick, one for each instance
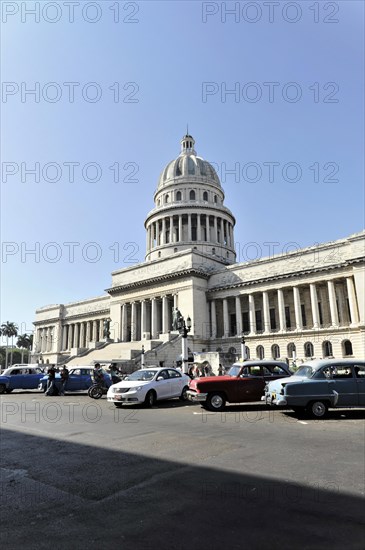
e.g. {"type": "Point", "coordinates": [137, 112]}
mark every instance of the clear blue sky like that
{"type": "Point", "coordinates": [170, 52]}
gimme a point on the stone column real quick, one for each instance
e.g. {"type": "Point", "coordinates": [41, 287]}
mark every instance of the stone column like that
{"type": "Point", "coordinates": [69, 344]}
{"type": "Point", "coordinates": [213, 319]}
{"type": "Point", "coordinates": [215, 236]}
{"type": "Point", "coordinates": [266, 311]}
{"type": "Point", "coordinates": [238, 316]}
{"type": "Point", "coordinates": [225, 318]}
{"type": "Point", "coordinates": [94, 335]}
{"type": "Point", "coordinates": [175, 300]}
{"type": "Point", "coordinates": [88, 330]}
{"type": "Point", "coordinates": [314, 305]}
{"type": "Point", "coordinates": [123, 323]}
{"type": "Point", "coordinates": [251, 313]}
{"type": "Point", "coordinates": [281, 308]}
{"type": "Point", "coordinates": [198, 228]}
{"type": "Point", "coordinates": [297, 309]}
{"type": "Point", "coordinates": [77, 343]}
{"type": "Point", "coordinates": [153, 318]}
{"type": "Point", "coordinates": [64, 337]}
{"type": "Point", "coordinates": [352, 300]}
{"type": "Point", "coordinates": [189, 227]}
{"type": "Point", "coordinates": [165, 305]}
{"type": "Point", "coordinates": [143, 317]}
{"type": "Point", "coordinates": [82, 335]}
{"type": "Point", "coordinates": [333, 304]}
{"type": "Point", "coordinates": [134, 322]}
{"type": "Point", "coordinates": [180, 228]}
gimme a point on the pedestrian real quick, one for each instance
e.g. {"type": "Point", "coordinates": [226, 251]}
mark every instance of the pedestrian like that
{"type": "Point", "coordinates": [51, 380]}
{"type": "Point", "coordinates": [114, 373]}
{"type": "Point", "coordinates": [64, 379]}
{"type": "Point", "coordinates": [220, 370]}
{"type": "Point", "coordinates": [98, 374]}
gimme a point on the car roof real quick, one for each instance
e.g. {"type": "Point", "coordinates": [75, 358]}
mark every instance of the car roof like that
{"type": "Point", "coordinates": [318, 363]}
{"type": "Point", "coordinates": [263, 362]}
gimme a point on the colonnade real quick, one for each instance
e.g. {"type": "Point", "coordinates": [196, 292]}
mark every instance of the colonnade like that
{"type": "Point", "coordinates": [146, 319]}
{"type": "Point", "coordinates": [331, 303]}
{"type": "Point", "coordinates": [190, 227]}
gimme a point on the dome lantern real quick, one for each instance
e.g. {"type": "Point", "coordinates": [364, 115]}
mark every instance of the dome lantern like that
{"type": "Point", "coordinates": [187, 145]}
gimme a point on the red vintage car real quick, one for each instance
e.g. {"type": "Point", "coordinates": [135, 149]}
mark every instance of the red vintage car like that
{"type": "Point", "coordinates": [244, 382]}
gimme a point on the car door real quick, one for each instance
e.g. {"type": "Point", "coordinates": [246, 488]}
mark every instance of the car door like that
{"type": "Point", "coordinates": [16, 379]}
{"type": "Point", "coordinates": [176, 382]}
{"type": "Point", "coordinates": [74, 380]}
{"type": "Point", "coordinates": [250, 386]}
{"type": "Point", "coordinates": [344, 383]}
{"type": "Point", "coordinates": [360, 382]}
{"type": "Point", "coordinates": [30, 379]}
{"type": "Point", "coordinates": [163, 384]}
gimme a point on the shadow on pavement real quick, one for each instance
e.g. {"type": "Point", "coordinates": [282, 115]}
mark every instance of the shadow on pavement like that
{"type": "Point", "coordinates": [65, 495]}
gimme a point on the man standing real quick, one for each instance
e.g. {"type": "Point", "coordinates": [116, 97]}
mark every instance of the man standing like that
{"type": "Point", "coordinates": [51, 380]}
{"type": "Point", "coordinates": [64, 378]}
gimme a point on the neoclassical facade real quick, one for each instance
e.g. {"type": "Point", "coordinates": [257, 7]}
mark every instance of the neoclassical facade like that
{"type": "Point", "coordinates": [303, 304]}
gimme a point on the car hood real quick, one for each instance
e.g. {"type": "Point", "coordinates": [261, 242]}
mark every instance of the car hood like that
{"type": "Point", "coordinates": [131, 383]}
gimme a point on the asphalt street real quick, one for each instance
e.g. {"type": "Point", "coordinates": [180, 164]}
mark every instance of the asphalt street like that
{"type": "Point", "coordinates": [80, 473]}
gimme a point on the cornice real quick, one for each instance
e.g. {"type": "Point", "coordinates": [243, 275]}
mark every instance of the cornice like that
{"type": "Point", "coordinates": [169, 276]}
{"type": "Point", "coordinates": [289, 275]}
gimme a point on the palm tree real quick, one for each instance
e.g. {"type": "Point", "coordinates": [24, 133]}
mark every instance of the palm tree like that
{"type": "Point", "coordinates": [25, 341]}
{"type": "Point", "coordinates": [9, 329]}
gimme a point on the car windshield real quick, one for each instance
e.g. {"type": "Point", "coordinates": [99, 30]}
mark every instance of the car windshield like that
{"type": "Point", "coordinates": [7, 371]}
{"type": "Point", "coordinates": [141, 375]}
{"type": "Point", "coordinates": [306, 371]}
{"type": "Point", "coordinates": [234, 370]}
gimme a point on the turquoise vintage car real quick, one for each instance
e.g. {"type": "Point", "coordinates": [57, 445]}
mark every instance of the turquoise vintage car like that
{"type": "Point", "coordinates": [320, 385]}
{"type": "Point", "coordinates": [20, 377]}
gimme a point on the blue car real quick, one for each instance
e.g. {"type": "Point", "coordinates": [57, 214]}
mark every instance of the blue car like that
{"type": "Point", "coordinates": [80, 379]}
{"type": "Point", "coordinates": [20, 377]}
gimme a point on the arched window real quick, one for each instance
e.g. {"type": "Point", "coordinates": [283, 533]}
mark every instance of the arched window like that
{"type": "Point", "coordinates": [167, 198]}
{"type": "Point", "coordinates": [158, 202]}
{"type": "Point", "coordinates": [247, 350]}
{"type": "Point", "coordinates": [159, 254]}
{"type": "Point", "coordinates": [178, 195]}
{"type": "Point", "coordinates": [327, 349]}
{"type": "Point", "coordinates": [275, 351]}
{"type": "Point", "coordinates": [213, 250]}
{"type": "Point", "coordinates": [308, 349]}
{"type": "Point", "coordinates": [192, 195]}
{"type": "Point", "coordinates": [215, 198]}
{"type": "Point", "coordinates": [347, 348]}
{"type": "Point", "coordinates": [232, 350]}
{"type": "Point", "coordinates": [205, 196]}
{"type": "Point", "coordinates": [291, 350]}
{"type": "Point", "coordinates": [260, 352]}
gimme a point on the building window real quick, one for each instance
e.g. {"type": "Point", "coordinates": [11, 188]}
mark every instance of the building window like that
{"type": "Point", "coordinates": [192, 195]}
{"type": "Point", "coordinates": [175, 249]}
{"type": "Point", "coordinates": [159, 254]}
{"type": "Point", "coordinates": [167, 198]}
{"type": "Point", "coordinates": [260, 352]}
{"type": "Point", "coordinates": [287, 317]}
{"type": "Point", "coordinates": [245, 322]}
{"type": "Point", "coordinates": [213, 251]}
{"type": "Point", "coordinates": [327, 349]}
{"type": "Point", "coordinates": [304, 317]}
{"type": "Point", "coordinates": [272, 319]}
{"type": "Point", "coordinates": [248, 354]}
{"type": "Point", "coordinates": [291, 350]}
{"type": "Point", "coordinates": [178, 195]}
{"type": "Point", "coordinates": [320, 313]}
{"type": "Point", "coordinates": [232, 351]}
{"type": "Point", "coordinates": [275, 351]}
{"type": "Point", "coordinates": [215, 198]}
{"type": "Point", "coordinates": [205, 196]}
{"type": "Point", "coordinates": [308, 349]}
{"type": "Point", "coordinates": [347, 348]}
{"type": "Point", "coordinates": [258, 317]}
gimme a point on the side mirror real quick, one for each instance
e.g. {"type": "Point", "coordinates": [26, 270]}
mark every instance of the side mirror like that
{"type": "Point", "coordinates": [159, 378]}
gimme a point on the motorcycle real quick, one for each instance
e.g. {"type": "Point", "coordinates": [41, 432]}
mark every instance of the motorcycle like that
{"type": "Point", "coordinates": [96, 391]}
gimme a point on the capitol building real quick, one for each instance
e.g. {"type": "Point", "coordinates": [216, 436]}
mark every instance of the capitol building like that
{"type": "Point", "coordinates": [309, 303]}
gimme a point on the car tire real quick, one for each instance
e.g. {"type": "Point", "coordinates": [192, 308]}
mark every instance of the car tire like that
{"type": "Point", "coordinates": [216, 402]}
{"type": "Point", "coordinates": [118, 405]}
{"type": "Point", "coordinates": [150, 399]}
{"type": "Point", "coordinates": [95, 392]}
{"type": "Point", "coordinates": [184, 395]}
{"type": "Point", "coordinates": [2, 388]}
{"type": "Point", "coordinates": [317, 409]}
{"type": "Point", "coordinates": [9, 390]}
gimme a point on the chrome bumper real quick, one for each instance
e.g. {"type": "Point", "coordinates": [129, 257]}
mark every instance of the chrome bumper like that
{"type": "Point", "coordinates": [196, 397]}
{"type": "Point", "coordinates": [273, 399]}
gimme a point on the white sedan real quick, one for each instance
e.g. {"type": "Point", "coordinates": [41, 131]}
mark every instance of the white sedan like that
{"type": "Point", "coordinates": [148, 385]}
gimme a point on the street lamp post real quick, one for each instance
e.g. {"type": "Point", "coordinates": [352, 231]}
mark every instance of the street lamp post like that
{"type": "Point", "coordinates": [185, 328]}
{"type": "Point", "coordinates": [142, 357]}
{"type": "Point", "coordinates": [243, 347]}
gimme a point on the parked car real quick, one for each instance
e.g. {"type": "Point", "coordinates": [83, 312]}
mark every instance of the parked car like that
{"type": "Point", "coordinates": [149, 385]}
{"type": "Point", "coordinates": [80, 378]}
{"type": "Point", "coordinates": [20, 377]}
{"type": "Point", "coordinates": [319, 385]}
{"type": "Point", "coordinates": [244, 382]}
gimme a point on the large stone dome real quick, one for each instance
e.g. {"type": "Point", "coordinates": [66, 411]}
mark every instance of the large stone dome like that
{"type": "Point", "coordinates": [188, 165]}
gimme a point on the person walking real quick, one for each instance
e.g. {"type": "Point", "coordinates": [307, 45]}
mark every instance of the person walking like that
{"type": "Point", "coordinates": [51, 380]}
{"type": "Point", "coordinates": [64, 379]}
{"type": "Point", "coordinates": [114, 373]}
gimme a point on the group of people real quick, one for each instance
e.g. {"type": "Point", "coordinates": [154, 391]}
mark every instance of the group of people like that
{"type": "Point", "coordinates": [51, 382]}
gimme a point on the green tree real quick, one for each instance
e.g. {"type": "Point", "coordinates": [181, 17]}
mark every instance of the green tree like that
{"type": "Point", "coordinates": [25, 342]}
{"type": "Point", "coordinates": [9, 329]}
